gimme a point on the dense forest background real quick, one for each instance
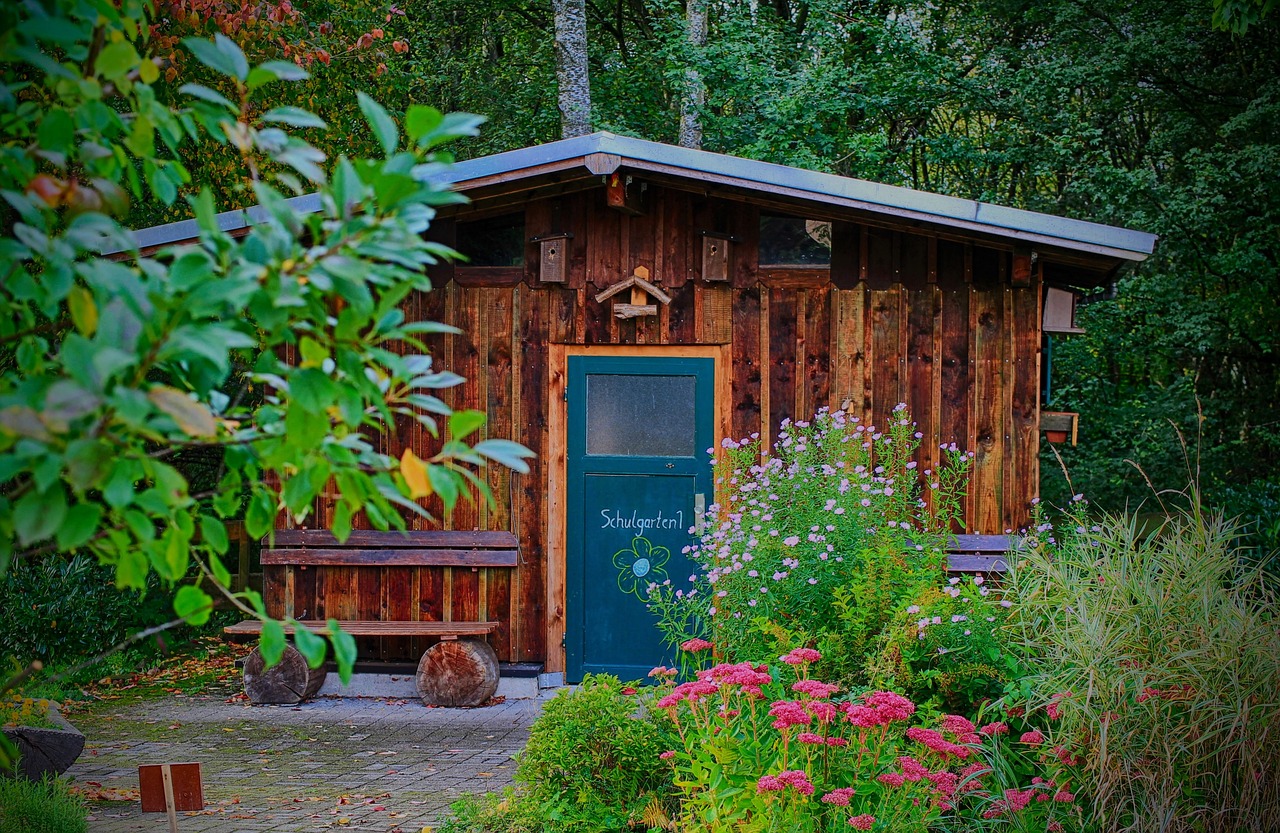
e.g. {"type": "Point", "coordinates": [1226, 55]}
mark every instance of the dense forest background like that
{"type": "Point", "coordinates": [1136, 113]}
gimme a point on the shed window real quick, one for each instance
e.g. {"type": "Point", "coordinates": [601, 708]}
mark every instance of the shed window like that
{"type": "Point", "coordinates": [794, 241]}
{"type": "Point", "coordinates": [497, 241]}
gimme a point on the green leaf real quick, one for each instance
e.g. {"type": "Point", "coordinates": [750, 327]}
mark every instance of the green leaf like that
{"type": "Point", "coordinates": [344, 650]}
{"type": "Point", "coordinates": [420, 119]}
{"type": "Point", "coordinates": [465, 423]}
{"type": "Point", "coordinates": [206, 94]}
{"type": "Point", "coordinates": [445, 484]}
{"type": "Point", "coordinates": [275, 71]}
{"type": "Point", "coordinates": [193, 604]}
{"type": "Point", "coordinates": [222, 55]}
{"type": "Point", "coordinates": [116, 60]}
{"type": "Point", "coordinates": [131, 569]}
{"type": "Point", "coordinates": [260, 515]}
{"type": "Point", "coordinates": [507, 453]}
{"type": "Point", "coordinates": [57, 131]}
{"type": "Point", "coordinates": [341, 525]}
{"type": "Point", "coordinates": [384, 127]}
{"type": "Point", "coordinates": [294, 117]}
{"type": "Point", "coordinates": [271, 643]}
{"type": "Point", "coordinates": [214, 533]}
{"type": "Point", "coordinates": [37, 515]}
{"type": "Point", "coordinates": [80, 524]}
{"type": "Point", "coordinates": [219, 571]}
{"type": "Point", "coordinates": [84, 312]}
{"type": "Point", "coordinates": [309, 645]}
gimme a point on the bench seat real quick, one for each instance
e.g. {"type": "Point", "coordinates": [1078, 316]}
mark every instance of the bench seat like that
{"type": "Point", "coordinates": [442, 630]}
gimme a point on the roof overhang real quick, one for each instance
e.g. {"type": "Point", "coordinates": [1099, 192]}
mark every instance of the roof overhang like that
{"type": "Point", "coordinates": [600, 154]}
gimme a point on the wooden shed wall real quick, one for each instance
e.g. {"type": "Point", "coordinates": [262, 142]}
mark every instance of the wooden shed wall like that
{"type": "Point", "coordinates": [899, 317]}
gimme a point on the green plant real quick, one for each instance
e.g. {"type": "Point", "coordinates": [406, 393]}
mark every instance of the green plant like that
{"type": "Point", "coordinates": [947, 648]}
{"type": "Point", "coordinates": [45, 806]}
{"type": "Point", "coordinates": [510, 811]}
{"type": "Point", "coordinates": [279, 353]}
{"type": "Point", "coordinates": [591, 763]}
{"type": "Point", "coordinates": [818, 543]}
{"type": "Point", "coordinates": [69, 607]}
{"type": "Point", "coordinates": [1159, 655]}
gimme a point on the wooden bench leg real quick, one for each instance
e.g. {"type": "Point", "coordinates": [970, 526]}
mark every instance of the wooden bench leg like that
{"type": "Point", "coordinates": [458, 672]}
{"type": "Point", "coordinates": [289, 681]}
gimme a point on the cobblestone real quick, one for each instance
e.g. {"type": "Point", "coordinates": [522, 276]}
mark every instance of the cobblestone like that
{"type": "Point", "coordinates": [364, 764]}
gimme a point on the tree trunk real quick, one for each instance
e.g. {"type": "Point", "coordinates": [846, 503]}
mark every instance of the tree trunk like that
{"type": "Point", "coordinates": [572, 76]}
{"type": "Point", "coordinates": [695, 92]}
{"type": "Point", "coordinates": [458, 672]}
{"type": "Point", "coordinates": [288, 681]}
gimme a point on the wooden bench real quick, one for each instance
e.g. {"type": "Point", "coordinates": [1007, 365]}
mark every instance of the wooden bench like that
{"type": "Point", "coordinates": [987, 554]}
{"type": "Point", "coordinates": [460, 669]}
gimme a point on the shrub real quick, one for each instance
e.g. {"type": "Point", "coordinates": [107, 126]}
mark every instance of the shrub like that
{"type": "Point", "coordinates": [66, 608]}
{"type": "Point", "coordinates": [591, 760]}
{"type": "Point", "coordinates": [45, 806]}
{"type": "Point", "coordinates": [820, 542]}
{"type": "Point", "coordinates": [1163, 650]}
{"type": "Point", "coordinates": [947, 648]}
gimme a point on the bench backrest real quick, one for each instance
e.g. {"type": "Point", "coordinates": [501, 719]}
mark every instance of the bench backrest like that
{"type": "Point", "coordinates": [412, 548]}
{"type": "Point", "coordinates": [979, 553]}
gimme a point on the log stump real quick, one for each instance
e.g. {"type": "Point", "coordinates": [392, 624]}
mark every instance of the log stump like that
{"type": "Point", "coordinates": [289, 681]}
{"type": "Point", "coordinates": [458, 672]}
{"type": "Point", "coordinates": [44, 752]}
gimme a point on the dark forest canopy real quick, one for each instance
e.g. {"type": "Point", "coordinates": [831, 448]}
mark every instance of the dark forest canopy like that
{"type": "Point", "coordinates": [1138, 113]}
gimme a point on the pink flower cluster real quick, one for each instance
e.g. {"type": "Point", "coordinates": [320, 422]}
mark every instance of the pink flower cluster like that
{"type": "Point", "coordinates": [693, 646]}
{"type": "Point", "coordinates": [936, 742]}
{"type": "Point", "coordinates": [879, 708]}
{"type": "Point", "coordinates": [1013, 801]}
{"type": "Point", "coordinates": [839, 797]}
{"type": "Point", "coordinates": [801, 656]}
{"type": "Point", "coordinates": [815, 689]}
{"type": "Point", "coordinates": [863, 822]}
{"type": "Point", "coordinates": [794, 778]}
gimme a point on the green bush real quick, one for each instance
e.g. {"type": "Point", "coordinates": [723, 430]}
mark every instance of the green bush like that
{"type": "Point", "coordinates": [45, 806]}
{"type": "Point", "coordinates": [1162, 650]}
{"type": "Point", "coordinates": [68, 608]}
{"type": "Point", "coordinates": [592, 759]}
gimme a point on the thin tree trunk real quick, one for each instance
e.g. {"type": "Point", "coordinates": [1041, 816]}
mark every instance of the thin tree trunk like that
{"type": "Point", "coordinates": [695, 94]}
{"type": "Point", "coordinates": [571, 67]}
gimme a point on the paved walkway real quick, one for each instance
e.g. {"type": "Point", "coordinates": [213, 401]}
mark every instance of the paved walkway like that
{"type": "Point", "coordinates": [385, 765]}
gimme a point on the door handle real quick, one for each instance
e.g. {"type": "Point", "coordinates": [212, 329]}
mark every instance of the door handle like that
{"type": "Point", "coordinates": [699, 512]}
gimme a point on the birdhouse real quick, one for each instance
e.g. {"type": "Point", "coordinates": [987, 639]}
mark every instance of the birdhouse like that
{"type": "Point", "coordinates": [1060, 311]}
{"type": "Point", "coordinates": [716, 248]}
{"type": "Point", "coordinates": [641, 292]}
{"type": "Point", "coordinates": [554, 254]}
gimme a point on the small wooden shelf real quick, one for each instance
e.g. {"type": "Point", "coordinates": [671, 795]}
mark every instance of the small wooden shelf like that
{"type": "Point", "coordinates": [1058, 426]}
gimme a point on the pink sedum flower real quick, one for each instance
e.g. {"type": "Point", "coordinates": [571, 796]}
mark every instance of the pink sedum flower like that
{"type": "Point", "coordinates": [800, 656]}
{"type": "Point", "coordinates": [1032, 738]}
{"type": "Point", "coordinates": [693, 646]}
{"type": "Point", "coordinates": [863, 822]}
{"type": "Point", "coordinates": [839, 797]}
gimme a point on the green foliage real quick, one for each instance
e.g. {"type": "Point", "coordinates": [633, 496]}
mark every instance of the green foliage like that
{"type": "Point", "coordinates": [947, 648]}
{"type": "Point", "coordinates": [46, 806]}
{"type": "Point", "coordinates": [1163, 650]}
{"type": "Point", "coordinates": [819, 543]}
{"type": "Point", "coordinates": [63, 608]}
{"type": "Point", "coordinates": [117, 366]}
{"type": "Point", "coordinates": [591, 763]}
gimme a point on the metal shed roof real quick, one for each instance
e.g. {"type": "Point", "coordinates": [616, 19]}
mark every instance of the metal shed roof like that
{"type": "Point", "coordinates": [603, 153]}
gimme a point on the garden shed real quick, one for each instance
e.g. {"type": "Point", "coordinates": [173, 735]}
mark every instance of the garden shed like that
{"type": "Point", "coordinates": [626, 304]}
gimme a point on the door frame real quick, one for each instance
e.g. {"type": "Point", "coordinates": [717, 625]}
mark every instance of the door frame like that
{"type": "Point", "coordinates": [557, 543]}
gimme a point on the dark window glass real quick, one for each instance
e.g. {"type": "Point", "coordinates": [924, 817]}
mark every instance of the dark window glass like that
{"type": "Point", "coordinates": [497, 241]}
{"type": "Point", "coordinates": [640, 416]}
{"type": "Point", "coordinates": [794, 241]}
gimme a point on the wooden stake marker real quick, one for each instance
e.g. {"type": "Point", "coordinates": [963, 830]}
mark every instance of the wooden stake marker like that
{"type": "Point", "coordinates": [170, 788]}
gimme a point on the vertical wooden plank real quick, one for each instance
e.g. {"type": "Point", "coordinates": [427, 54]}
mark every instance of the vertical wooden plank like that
{"type": "Point", "coordinates": [746, 362]}
{"type": "Point", "coordinates": [848, 378]}
{"type": "Point", "coordinates": [924, 322]}
{"type": "Point", "coordinates": [397, 606]}
{"type": "Point", "coordinates": [556, 468]}
{"type": "Point", "coordinates": [764, 361]}
{"type": "Point", "coordinates": [845, 257]}
{"type": "Point", "coordinates": [800, 407]}
{"type": "Point", "coordinates": [817, 358]}
{"type": "Point", "coordinates": [782, 357]}
{"type": "Point", "coordinates": [273, 590]}
{"type": "Point", "coordinates": [988, 400]}
{"type": "Point", "coordinates": [496, 311]}
{"type": "Point", "coordinates": [717, 314]}
{"type": "Point", "coordinates": [888, 328]}
{"type": "Point", "coordinates": [430, 606]}
{"type": "Point", "coordinates": [339, 591]}
{"type": "Point", "coordinates": [680, 315]}
{"type": "Point", "coordinates": [1023, 476]}
{"type": "Point", "coordinates": [744, 222]}
{"type": "Point", "coordinates": [305, 605]}
{"type": "Point", "coordinates": [674, 238]}
{"type": "Point", "coordinates": [368, 605]}
{"type": "Point", "coordinates": [529, 506]}
{"type": "Point", "coordinates": [574, 215]}
{"type": "Point", "coordinates": [881, 256]}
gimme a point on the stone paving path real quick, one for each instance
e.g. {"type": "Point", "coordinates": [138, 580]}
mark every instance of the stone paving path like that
{"type": "Point", "coordinates": [341, 764]}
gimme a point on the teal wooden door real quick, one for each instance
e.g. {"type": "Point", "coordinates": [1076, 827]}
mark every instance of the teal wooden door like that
{"type": "Point", "coordinates": [638, 431]}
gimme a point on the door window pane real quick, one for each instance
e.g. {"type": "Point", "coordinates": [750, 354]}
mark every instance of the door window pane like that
{"type": "Point", "coordinates": [794, 241]}
{"type": "Point", "coordinates": [640, 416]}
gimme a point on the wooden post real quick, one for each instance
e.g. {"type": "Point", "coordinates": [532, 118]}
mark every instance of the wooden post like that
{"type": "Point", "coordinates": [170, 806]}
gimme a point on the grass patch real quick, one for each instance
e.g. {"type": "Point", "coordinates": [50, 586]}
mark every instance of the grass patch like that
{"type": "Point", "coordinates": [46, 806]}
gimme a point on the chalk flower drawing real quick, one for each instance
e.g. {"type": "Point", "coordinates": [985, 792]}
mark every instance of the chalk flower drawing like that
{"type": "Point", "coordinates": [640, 564]}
